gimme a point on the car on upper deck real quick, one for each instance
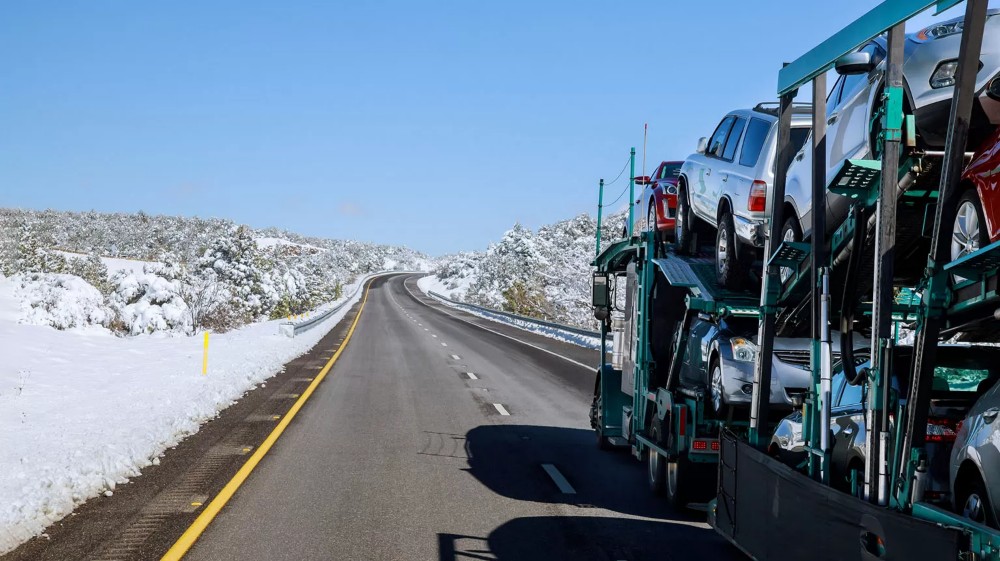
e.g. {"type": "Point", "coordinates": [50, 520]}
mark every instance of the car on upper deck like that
{"type": "Point", "coordinates": [657, 204]}
{"type": "Point", "coordinates": [723, 187]}
{"type": "Point", "coordinates": [929, 74]}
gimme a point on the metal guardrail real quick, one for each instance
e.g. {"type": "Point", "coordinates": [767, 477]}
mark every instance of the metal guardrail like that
{"type": "Point", "coordinates": [293, 328]}
{"type": "Point", "coordinates": [561, 327]}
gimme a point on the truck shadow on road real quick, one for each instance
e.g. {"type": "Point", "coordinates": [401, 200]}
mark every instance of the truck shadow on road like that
{"type": "Point", "coordinates": [509, 458]}
{"type": "Point", "coordinates": [578, 538]}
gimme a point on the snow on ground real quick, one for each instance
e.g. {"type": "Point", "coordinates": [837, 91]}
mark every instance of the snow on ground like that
{"type": "Point", "coordinates": [82, 411]}
{"type": "Point", "coordinates": [271, 242]}
{"type": "Point", "coordinates": [114, 264]}
{"type": "Point", "coordinates": [454, 289]}
{"type": "Point", "coordinates": [431, 283]}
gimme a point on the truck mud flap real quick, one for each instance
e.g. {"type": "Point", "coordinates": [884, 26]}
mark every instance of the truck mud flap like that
{"type": "Point", "coordinates": [773, 512]}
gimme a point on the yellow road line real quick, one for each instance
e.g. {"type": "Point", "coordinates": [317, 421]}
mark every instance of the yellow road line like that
{"type": "Point", "coordinates": [200, 524]}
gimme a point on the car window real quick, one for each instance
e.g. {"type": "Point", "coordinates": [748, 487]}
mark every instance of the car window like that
{"type": "Point", "coordinates": [756, 135]}
{"type": "Point", "coordinates": [670, 170]}
{"type": "Point", "coordinates": [734, 138]}
{"type": "Point", "coordinates": [837, 386]}
{"type": "Point", "coordinates": [834, 97]}
{"type": "Point", "coordinates": [719, 137]}
{"type": "Point", "coordinates": [951, 379]}
{"type": "Point", "coordinates": [852, 396]}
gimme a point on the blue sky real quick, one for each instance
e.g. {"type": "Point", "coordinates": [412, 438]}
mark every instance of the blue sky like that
{"type": "Point", "coordinates": [436, 125]}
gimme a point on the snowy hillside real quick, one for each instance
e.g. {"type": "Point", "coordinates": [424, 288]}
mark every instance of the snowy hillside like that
{"type": "Point", "coordinates": [544, 274]}
{"type": "Point", "coordinates": [136, 273]}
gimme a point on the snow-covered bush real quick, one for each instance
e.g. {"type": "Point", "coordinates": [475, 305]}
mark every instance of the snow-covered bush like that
{"type": "Point", "coordinates": [151, 301]}
{"type": "Point", "coordinates": [60, 301]}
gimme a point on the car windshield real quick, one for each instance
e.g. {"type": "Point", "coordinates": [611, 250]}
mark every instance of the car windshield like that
{"type": "Point", "coordinates": [670, 170]}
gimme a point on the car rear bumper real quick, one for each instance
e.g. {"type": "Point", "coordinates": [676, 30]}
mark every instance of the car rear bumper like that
{"type": "Point", "coordinates": [749, 231]}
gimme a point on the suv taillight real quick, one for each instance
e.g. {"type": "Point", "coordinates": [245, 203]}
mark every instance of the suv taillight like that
{"type": "Point", "coordinates": [758, 196]}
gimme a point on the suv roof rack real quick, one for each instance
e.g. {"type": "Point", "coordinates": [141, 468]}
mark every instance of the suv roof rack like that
{"type": "Point", "coordinates": [772, 107]}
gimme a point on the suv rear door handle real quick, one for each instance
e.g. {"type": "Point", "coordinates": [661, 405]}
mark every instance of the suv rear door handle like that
{"type": "Point", "coordinates": [990, 414]}
{"type": "Point", "coordinates": [831, 120]}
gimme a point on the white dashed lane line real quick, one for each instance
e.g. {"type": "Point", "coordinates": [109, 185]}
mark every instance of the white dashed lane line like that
{"type": "Point", "coordinates": [472, 376]}
{"type": "Point", "coordinates": [456, 357]}
{"type": "Point", "coordinates": [501, 409]}
{"type": "Point", "coordinates": [557, 478]}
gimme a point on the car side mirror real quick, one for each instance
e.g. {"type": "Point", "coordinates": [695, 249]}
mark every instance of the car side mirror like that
{"type": "Point", "coordinates": [855, 63]}
{"type": "Point", "coordinates": [642, 180]}
{"type": "Point", "coordinates": [702, 145]}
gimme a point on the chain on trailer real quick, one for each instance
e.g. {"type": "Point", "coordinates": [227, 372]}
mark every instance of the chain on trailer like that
{"type": "Point", "coordinates": [893, 522]}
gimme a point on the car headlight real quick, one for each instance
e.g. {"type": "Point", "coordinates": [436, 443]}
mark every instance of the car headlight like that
{"type": "Point", "coordinates": [940, 30]}
{"type": "Point", "coordinates": [744, 350]}
{"type": "Point", "coordinates": [671, 190]}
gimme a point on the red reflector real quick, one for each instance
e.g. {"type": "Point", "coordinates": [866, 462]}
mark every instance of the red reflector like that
{"type": "Point", "coordinates": [942, 430]}
{"type": "Point", "coordinates": [758, 196]}
{"type": "Point", "coordinates": [699, 445]}
{"type": "Point", "coordinates": [715, 445]}
{"type": "Point", "coordinates": [682, 422]}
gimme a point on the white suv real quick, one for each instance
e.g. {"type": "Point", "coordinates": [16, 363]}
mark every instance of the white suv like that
{"type": "Point", "coordinates": [726, 183]}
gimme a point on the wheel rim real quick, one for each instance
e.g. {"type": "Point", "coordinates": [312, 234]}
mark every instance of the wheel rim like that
{"type": "Point", "coordinates": [786, 272]}
{"type": "Point", "coordinates": [717, 388]}
{"type": "Point", "coordinates": [654, 465]}
{"type": "Point", "coordinates": [672, 478]}
{"type": "Point", "coordinates": [965, 232]}
{"type": "Point", "coordinates": [973, 509]}
{"type": "Point", "coordinates": [679, 221]}
{"type": "Point", "coordinates": [723, 249]}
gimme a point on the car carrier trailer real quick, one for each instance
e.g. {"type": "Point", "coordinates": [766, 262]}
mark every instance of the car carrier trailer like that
{"type": "Point", "coordinates": [903, 201]}
{"type": "Point", "coordinates": [646, 299]}
{"type": "Point", "coordinates": [772, 511]}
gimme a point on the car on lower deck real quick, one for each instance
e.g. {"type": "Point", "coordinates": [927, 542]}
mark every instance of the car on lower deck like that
{"type": "Point", "coordinates": [962, 373]}
{"type": "Point", "coordinates": [721, 358]}
{"type": "Point", "coordinates": [722, 188]}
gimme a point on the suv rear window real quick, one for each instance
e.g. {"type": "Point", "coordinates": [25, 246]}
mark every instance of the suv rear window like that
{"type": "Point", "coordinates": [754, 143]}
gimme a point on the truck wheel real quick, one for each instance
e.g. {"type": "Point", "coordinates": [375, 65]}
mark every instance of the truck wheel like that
{"type": "Point", "coordinates": [730, 271]}
{"type": "Point", "coordinates": [597, 419]}
{"type": "Point", "coordinates": [677, 481]}
{"type": "Point", "coordinates": [656, 465]}
{"type": "Point", "coordinates": [684, 225]}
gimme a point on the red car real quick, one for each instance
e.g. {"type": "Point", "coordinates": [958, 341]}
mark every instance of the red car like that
{"type": "Point", "coordinates": [658, 202]}
{"type": "Point", "coordinates": [977, 219]}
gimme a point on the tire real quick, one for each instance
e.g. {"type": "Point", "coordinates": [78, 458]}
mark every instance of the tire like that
{"type": "Point", "coordinates": [790, 232]}
{"type": "Point", "coordinates": [656, 465]}
{"type": "Point", "coordinates": [717, 391]}
{"type": "Point", "coordinates": [968, 229]}
{"type": "Point", "coordinates": [676, 482]}
{"type": "Point", "coordinates": [684, 233]}
{"type": "Point", "coordinates": [597, 418]}
{"type": "Point", "coordinates": [973, 502]}
{"type": "Point", "coordinates": [730, 267]}
{"type": "Point", "coordinates": [657, 236]}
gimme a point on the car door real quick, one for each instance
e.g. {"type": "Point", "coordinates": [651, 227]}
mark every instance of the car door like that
{"type": "Point", "coordinates": [847, 413]}
{"type": "Point", "coordinates": [847, 125]}
{"type": "Point", "coordinates": [705, 186]}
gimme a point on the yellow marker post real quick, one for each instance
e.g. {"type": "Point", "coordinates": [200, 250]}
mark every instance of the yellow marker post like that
{"type": "Point", "coordinates": [204, 357]}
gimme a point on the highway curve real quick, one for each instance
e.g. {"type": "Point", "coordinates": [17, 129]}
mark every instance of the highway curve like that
{"type": "Point", "coordinates": [401, 455]}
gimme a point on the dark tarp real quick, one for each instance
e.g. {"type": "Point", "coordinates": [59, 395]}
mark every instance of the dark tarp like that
{"type": "Point", "coordinates": [775, 513]}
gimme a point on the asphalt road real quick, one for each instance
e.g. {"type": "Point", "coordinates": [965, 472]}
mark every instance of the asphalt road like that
{"type": "Point", "coordinates": [401, 455]}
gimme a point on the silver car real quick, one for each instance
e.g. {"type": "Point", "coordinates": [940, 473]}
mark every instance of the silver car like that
{"type": "Point", "coordinates": [962, 373]}
{"type": "Point", "coordinates": [975, 458]}
{"type": "Point", "coordinates": [723, 187]}
{"type": "Point", "coordinates": [929, 65]}
{"type": "Point", "coordinates": [721, 356]}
